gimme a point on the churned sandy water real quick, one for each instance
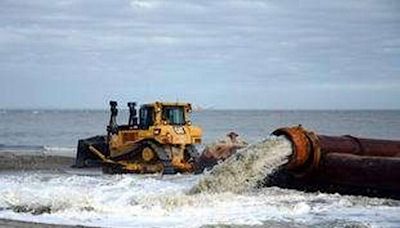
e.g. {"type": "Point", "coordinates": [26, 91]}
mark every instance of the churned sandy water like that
{"type": "Point", "coordinates": [225, 195]}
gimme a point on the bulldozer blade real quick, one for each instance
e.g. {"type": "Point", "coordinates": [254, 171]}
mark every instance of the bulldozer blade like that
{"type": "Point", "coordinates": [85, 157]}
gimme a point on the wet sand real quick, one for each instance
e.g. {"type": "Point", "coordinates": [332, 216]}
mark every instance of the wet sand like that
{"type": "Point", "coordinates": [21, 224]}
{"type": "Point", "coordinates": [10, 160]}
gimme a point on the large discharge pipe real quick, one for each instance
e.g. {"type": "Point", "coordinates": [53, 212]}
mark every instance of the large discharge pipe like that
{"type": "Point", "coordinates": [345, 164]}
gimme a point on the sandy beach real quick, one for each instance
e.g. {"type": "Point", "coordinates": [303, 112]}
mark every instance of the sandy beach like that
{"type": "Point", "coordinates": [21, 224]}
{"type": "Point", "coordinates": [10, 160]}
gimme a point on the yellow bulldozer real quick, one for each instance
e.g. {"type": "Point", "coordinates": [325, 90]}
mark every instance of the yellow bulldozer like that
{"type": "Point", "coordinates": [160, 139]}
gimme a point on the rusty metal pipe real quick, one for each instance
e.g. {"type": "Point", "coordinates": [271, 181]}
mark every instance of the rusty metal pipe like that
{"type": "Point", "coordinates": [359, 146]}
{"type": "Point", "coordinates": [361, 171]}
{"type": "Point", "coordinates": [309, 148]}
{"type": "Point", "coordinates": [343, 160]}
{"type": "Point", "coordinates": [306, 149]}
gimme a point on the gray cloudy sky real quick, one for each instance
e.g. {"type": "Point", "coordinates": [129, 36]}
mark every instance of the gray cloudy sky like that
{"type": "Point", "coordinates": [216, 54]}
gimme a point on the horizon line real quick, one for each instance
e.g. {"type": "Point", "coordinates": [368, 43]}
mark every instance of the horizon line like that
{"type": "Point", "coordinates": [208, 109]}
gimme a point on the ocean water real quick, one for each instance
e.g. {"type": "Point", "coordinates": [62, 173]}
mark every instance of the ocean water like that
{"type": "Point", "coordinates": [62, 128]}
{"type": "Point", "coordinates": [225, 195]}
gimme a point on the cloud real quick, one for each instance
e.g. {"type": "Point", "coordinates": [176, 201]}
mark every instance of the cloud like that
{"type": "Point", "coordinates": [200, 50]}
{"type": "Point", "coordinates": [145, 4]}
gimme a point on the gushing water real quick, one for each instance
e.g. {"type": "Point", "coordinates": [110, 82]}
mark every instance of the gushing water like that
{"type": "Point", "coordinates": [246, 168]}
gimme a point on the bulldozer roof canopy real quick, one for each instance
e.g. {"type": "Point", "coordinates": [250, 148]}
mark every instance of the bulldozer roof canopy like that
{"type": "Point", "coordinates": [156, 104]}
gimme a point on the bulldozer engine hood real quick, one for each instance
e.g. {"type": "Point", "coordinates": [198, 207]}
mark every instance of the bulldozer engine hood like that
{"type": "Point", "coordinates": [177, 135]}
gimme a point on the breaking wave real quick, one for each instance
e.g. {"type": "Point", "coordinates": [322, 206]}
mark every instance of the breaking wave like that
{"type": "Point", "coordinates": [246, 168]}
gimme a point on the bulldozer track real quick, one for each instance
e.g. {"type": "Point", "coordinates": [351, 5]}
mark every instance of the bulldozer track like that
{"type": "Point", "coordinates": [164, 159]}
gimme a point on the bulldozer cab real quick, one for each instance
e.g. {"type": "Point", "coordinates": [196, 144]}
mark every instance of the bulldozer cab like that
{"type": "Point", "coordinates": [163, 113]}
{"type": "Point", "coordinates": [174, 115]}
{"type": "Point", "coordinates": [146, 117]}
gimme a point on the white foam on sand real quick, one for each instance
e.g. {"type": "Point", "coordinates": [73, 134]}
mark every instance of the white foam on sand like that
{"type": "Point", "coordinates": [151, 200]}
